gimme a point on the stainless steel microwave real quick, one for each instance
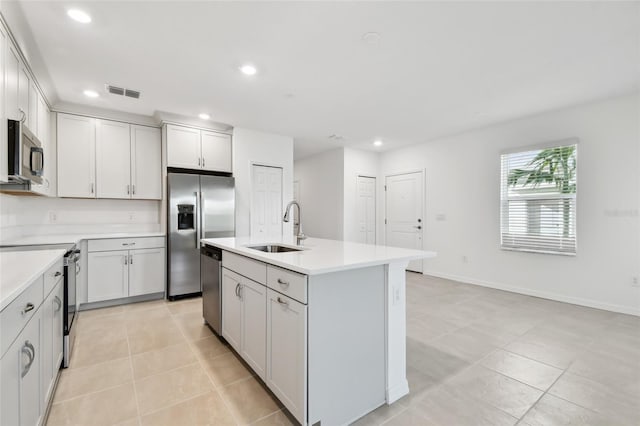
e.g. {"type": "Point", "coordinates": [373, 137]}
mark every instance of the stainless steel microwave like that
{"type": "Point", "coordinates": [26, 156]}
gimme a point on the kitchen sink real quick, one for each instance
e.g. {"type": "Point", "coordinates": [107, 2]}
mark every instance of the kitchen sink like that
{"type": "Point", "coordinates": [274, 248]}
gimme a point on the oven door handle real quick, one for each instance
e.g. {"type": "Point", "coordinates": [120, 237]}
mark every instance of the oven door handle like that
{"type": "Point", "coordinates": [38, 171]}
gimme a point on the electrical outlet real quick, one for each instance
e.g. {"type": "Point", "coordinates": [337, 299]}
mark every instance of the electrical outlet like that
{"type": "Point", "coordinates": [53, 217]}
{"type": "Point", "coordinates": [634, 282]}
{"type": "Point", "coordinates": [132, 216]}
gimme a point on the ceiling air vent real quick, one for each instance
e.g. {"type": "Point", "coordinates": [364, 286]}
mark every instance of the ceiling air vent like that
{"type": "Point", "coordinates": [121, 91]}
{"type": "Point", "coordinates": [132, 93]}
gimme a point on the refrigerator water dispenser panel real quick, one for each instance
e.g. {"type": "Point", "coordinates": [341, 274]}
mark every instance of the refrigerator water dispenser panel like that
{"type": "Point", "coordinates": [186, 216]}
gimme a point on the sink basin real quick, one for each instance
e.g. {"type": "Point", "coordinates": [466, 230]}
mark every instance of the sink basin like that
{"type": "Point", "coordinates": [274, 248]}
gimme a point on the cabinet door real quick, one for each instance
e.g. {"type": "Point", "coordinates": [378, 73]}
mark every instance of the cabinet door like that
{"type": "Point", "coordinates": [231, 308]}
{"type": "Point", "coordinates": [12, 76]}
{"type": "Point", "coordinates": [113, 159]}
{"type": "Point", "coordinates": [28, 344]}
{"type": "Point", "coordinates": [33, 109]}
{"type": "Point", "coordinates": [146, 271]}
{"type": "Point", "coordinates": [42, 130]}
{"type": "Point", "coordinates": [108, 275]}
{"type": "Point", "coordinates": [216, 151]}
{"type": "Point", "coordinates": [43, 121]}
{"type": "Point", "coordinates": [24, 98]}
{"type": "Point", "coordinates": [10, 366]}
{"type": "Point", "coordinates": [254, 325]}
{"type": "Point", "coordinates": [76, 156]}
{"type": "Point", "coordinates": [287, 352]}
{"type": "Point", "coordinates": [3, 113]}
{"type": "Point", "coordinates": [46, 343]}
{"type": "Point", "coordinates": [146, 163]}
{"type": "Point", "coordinates": [183, 147]}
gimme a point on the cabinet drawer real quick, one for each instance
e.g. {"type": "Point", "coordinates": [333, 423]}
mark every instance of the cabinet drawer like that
{"type": "Point", "coordinates": [52, 276]}
{"type": "Point", "coordinates": [12, 317]}
{"type": "Point", "coordinates": [109, 244]}
{"type": "Point", "coordinates": [249, 268]}
{"type": "Point", "coordinates": [288, 283]}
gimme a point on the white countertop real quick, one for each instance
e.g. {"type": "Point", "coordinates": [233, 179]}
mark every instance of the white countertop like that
{"type": "Point", "coordinates": [319, 255]}
{"type": "Point", "coordinates": [74, 238]}
{"type": "Point", "coordinates": [18, 269]}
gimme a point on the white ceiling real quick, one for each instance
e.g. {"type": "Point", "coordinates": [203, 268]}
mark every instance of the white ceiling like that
{"type": "Point", "coordinates": [439, 67]}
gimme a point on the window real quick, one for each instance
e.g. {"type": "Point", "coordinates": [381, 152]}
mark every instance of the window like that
{"type": "Point", "coordinates": [538, 199]}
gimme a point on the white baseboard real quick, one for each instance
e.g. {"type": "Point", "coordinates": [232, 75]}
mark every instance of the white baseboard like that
{"type": "Point", "coordinates": [542, 294]}
{"type": "Point", "coordinates": [397, 392]}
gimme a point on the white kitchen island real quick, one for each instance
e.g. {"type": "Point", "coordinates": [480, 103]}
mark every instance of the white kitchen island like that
{"type": "Point", "coordinates": [324, 327]}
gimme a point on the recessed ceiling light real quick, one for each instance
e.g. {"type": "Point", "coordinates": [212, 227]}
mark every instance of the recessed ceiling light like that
{"type": "Point", "coordinates": [204, 116]}
{"type": "Point", "coordinates": [377, 143]}
{"type": "Point", "coordinates": [79, 15]}
{"type": "Point", "coordinates": [91, 94]}
{"type": "Point", "coordinates": [248, 69]}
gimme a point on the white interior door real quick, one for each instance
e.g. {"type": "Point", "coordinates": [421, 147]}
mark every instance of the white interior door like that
{"type": "Point", "coordinates": [404, 220]}
{"type": "Point", "coordinates": [266, 202]}
{"type": "Point", "coordinates": [366, 209]}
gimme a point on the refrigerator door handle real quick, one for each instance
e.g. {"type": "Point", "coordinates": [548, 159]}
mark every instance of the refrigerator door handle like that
{"type": "Point", "coordinates": [201, 210]}
{"type": "Point", "coordinates": [197, 233]}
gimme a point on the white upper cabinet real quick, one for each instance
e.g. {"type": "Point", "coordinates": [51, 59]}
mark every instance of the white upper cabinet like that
{"type": "Point", "coordinates": [76, 156]}
{"type": "Point", "coordinates": [32, 115]}
{"type": "Point", "coordinates": [183, 147]}
{"type": "Point", "coordinates": [12, 72]}
{"type": "Point", "coordinates": [3, 114]}
{"type": "Point", "coordinates": [146, 163]}
{"type": "Point", "coordinates": [191, 148]}
{"type": "Point", "coordinates": [24, 86]}
{"type": "Point", "coordinates": [113, 159]}
{"type": "Point", "coordinates": [216, 151]}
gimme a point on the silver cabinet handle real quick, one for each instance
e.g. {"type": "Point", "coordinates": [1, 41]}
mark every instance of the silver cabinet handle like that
{"type": "Point", "coordinates": [237, 286]}
{"type": "Point", "coordinates": [283, 283]}
{"type": "Point", "coordinates": [126, 259]}
{"type": "Point", "coordinates": [57, 274]}
{"type": "Point", "coordinates": [128, 244]}
{"type": "Point", "coordinates": [92, 187]}
{"type": "Point", "coordinates": [198, 161]}
{"type": "Point", "coordinates": [58, 302]}
{"type": "Point", "coordinates": [24, 115]}
{"type": "Point", "coordinates": [282, 302]}
{"type": "Point", "coordinates": [78, 268]}
{"type": "Point", "coordinates": [28, 308]}
{"type": "Point", "coordinates": [128, 193]}
{"type": "Point", "coordinates": [133, 189]}
{"type": "Point", "coordinates": [130, 259]}
{"type": "Point", "coordinates": [202, 161]}
{"type": "Point", "coordinates": [30, 351]}
{"type": "Point", "coordinates": [418, 227]}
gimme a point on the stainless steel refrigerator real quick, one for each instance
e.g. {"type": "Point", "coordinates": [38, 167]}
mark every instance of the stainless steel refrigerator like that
{"type": "Point", "coordinates": [199, 206]}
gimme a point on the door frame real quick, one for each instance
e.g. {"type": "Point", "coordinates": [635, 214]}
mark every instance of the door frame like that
{"type": "Point", "coordinates": [423, 208]}
{"type": "Point", "coordinates": [375, 202]}
{"type": "Point", "coordinates": [253, 163]}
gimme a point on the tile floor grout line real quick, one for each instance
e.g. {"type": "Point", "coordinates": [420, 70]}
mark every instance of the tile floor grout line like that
{"type": "Point", "coordinates": [135, 390]}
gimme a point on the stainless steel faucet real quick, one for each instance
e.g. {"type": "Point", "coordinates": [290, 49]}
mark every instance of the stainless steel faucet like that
{"type": "Point", "coordinates": [300, 235]}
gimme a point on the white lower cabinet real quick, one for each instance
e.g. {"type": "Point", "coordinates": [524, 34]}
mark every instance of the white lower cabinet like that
{"type": "Point", "coordinates": [115, 273]}
{"type": "Point", "coordinates": [286, 373]}
{"type": "Point", "coordinates": [244, 318]}
{"type": "Point", "coordinates": [30, 366]}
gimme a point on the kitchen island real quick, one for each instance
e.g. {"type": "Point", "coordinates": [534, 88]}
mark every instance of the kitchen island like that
{"type": "Point", "coordinates": [323, 326]}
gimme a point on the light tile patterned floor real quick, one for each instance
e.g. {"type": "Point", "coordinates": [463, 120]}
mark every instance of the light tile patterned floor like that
{"type": "Point", "coordinates": [475, 356]}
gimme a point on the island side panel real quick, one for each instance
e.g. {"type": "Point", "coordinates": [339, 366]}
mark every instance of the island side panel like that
{"type": "Point", "coordinates": [346, 314]}
{"type": "Point", "coordinates": [397, 385]}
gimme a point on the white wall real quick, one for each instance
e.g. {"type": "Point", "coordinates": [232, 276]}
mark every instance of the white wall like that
{"type": "Point", "coordinates": [249, 147]}
{"type": "Point", "coordinates": [463, 181]}
{"type": "Point", "coordinates": [357, 163]}
{"type": "Point", "coordinates": [321, 178]}
{"type": "Point", "coordinates": [32, 215]}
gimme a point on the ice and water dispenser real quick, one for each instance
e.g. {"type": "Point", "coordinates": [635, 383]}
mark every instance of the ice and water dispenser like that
{"type": "Point", "coordinates": [186, 218]}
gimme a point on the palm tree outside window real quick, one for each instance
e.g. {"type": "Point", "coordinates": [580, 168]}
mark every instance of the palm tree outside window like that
{"type": "Point", "coordinates": [538, 199]}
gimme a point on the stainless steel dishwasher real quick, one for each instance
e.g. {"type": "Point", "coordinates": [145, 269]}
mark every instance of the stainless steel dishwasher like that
{"type": "Point", "coordinates": [211, 280]}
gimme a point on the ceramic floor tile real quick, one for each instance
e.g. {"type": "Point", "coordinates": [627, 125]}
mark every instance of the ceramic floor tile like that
{"type": "Point", "coordinates": [192, 325]}
{"type": "Point", "coordinates": [209, 347]}
{"type": "Point", "coordinates": [500, 391]}
{"type": "Point", "coordinates": [185, 306]}
{"type": "Point", "coordinates": [78, 381]}
{"type": "Point", "coordinates": [279, 418]}
{"type": "Point", "coordinates": [249, 400]}
{"type": "Point", "coordinates": [525, 370]}
{"type": "Point", "coordinates": [92, 313]}
{"type": "Point", "coordinates": [107, 407]}
{"type": "Point", "coordinates": [552, 411]}
{"type": "Point", "coordinates": [620, 374]}
{"type": "Point", "coordinates": [428, 327]}
{"type": "Point", "coordinates": [158, 361]}
{"type": "Point", "coordinates": [165, 389]}
{"type": "Point", "coordinates": [608, 401]}
{"type": "Point", "coordinates": [553, 351]}
{"type": "Point", "coordinates": [467, 344]}
{"type": "Point", "coordinates": [380, 415]}
{"type": "Point", "coordinates": [158, 336]}
{"type": "Point", "coordinates": [94, 349]}
{"type": "Point", "coordinates": [225, 369]}
{"type": "Point", "coordinates": [206, 409]}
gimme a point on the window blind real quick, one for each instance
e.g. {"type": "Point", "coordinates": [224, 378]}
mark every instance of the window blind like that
{"type": "Point", "coordinates": [538, 200]}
